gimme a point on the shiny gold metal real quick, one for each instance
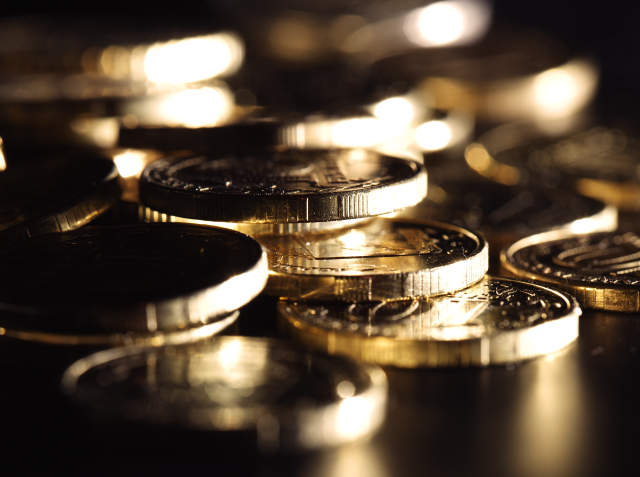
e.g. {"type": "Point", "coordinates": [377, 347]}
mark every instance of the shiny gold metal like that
{"type": "Point", "coordinates": [287, 187]}
{"type": "Point", "coordinates": [599, 269]}
{"type": "Point", "coordinates": [496, 321]}
{"type": "Point", "coordinates": [383, 259]}
{"type": "Point", "coordinates": [288, 398]}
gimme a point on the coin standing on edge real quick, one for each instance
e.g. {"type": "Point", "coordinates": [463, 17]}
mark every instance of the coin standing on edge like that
{"type": "Point", "coordinates": [383, 259]}
{"type": "Point", "coordinates": [601, 270]}
{"type": "Point", "coordinates": [137, 279]}
{"type": "Point", "coordinates": [497, 321]}
{"type": "Point", "coordinates": [55, 196]}
{"type": "Point", "coordinates": [291, 186]}
{"type": "Point", "coordinates": [291, 399]}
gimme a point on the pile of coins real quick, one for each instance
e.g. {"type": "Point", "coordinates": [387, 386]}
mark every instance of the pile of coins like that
{"type": "Point", "coordinates": [147, 206]}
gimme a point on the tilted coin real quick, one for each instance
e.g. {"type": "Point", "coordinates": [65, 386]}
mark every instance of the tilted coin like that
{"type": "Point", "coordinates": [496, 321]}
{"type": "Point", "coordinates": [504, 214]}
{"type": "Point", "coordinates": [602, 270]}
{"type": "Point", "coordinates": [138, 278]}
{"type": "Point", "coordinates": [55, 196]}
{"type": "Point", "coordinates": [383, 259]}
{"type": "Point", "coordinates": [291, 186]}
{"type": "Point", "coordinates": [289, 398]}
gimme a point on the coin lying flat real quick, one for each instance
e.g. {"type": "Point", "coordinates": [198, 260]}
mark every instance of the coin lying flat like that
{"type": "Point", "coordinates": [384, 259]}
{"type": "Point", "coordinates": [140, 278]}
{"type": "Point", "coordinates": [55, 196]}
{"type": "Point", "coordinates": [292, 186]}
{"type": "Point", "coordinates": [504, 214]}
{"type": "Point", "coordinates": [290, 398]}
{"type": "Point", "coordinates": [600, 270]}
{"type": "Point", "coordinates": [496, 321]}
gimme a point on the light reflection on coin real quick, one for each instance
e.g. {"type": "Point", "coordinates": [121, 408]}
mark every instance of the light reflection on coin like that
{"type": "Point", "coordinates": [383, 259]}
{"type": "Point", "coordinates": [292, 186]}
{"type": "Point", "coordinates": [496, 321]}
{"type": "Point", "coordinates": [291, 399]}
{"type": "Point", "coordinates": [602, 270]}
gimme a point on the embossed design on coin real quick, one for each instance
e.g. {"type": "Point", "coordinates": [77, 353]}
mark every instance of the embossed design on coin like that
{"type": "Point", "coordinates": [383, 259]}
{"type": "Point", "coordinates": [292, 186]}
{"type": "Point", "coordinates": [289, 398]}
{"type": "Point", "coordinates": [130, 278]}
{"type": "Point", "coordinates": [601, 270]}
{"type": "Point", "coordinates": [496, 321]}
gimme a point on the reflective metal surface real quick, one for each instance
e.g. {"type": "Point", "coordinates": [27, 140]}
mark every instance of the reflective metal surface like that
{"type": "Point", "coordinates": [292, 186]}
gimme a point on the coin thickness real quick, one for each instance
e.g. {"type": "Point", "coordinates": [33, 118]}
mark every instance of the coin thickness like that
{"type": "Point", "coordinates": [496, 321]}
{"type": "Point", "coordinates": [290, 186]}
{"type": "Point", "coordinates": [384, 259]}
{"type": "Point", "coordinates": [602, 270]}
{"type": "Point", "coordinates": [289, 398]}
{"type": "Point", "coordinates": [140, 278]}
{"type": "Point", "coordinates": [55, 195]}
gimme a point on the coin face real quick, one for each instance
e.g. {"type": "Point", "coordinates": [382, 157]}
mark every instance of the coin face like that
{"type": "Point", "coordinates": [290, 398]}
{"type": "Point", "coordinates": [55, 196]}
{"type": "Point", "coordinates": [601, 270]}
{"type": "Point", "coordinates": [292, 186]}
{"type": "Point", "coordinates": [503, 214]}
{"type": "Point", "coordinates": [495, 321]}
{"type": "Point", "coordinates": [384, 259]}
{"type": "Point", "coordinates": [130, 278]}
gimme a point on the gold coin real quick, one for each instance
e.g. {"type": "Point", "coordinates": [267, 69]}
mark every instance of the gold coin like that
{"type": "Point", "coordinates": [383, 259]}
{"type": "Point", "coordinates": [496, 321]}
{"type": "Point", "coordinates": [601, 269]}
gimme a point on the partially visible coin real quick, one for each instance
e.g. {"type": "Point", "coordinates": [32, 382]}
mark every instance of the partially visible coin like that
{"type": "Point", "coordinates": [602, 270]}
{"type": "Point", "coordinates": [292, 186]}
{"type": "Point", "coordinates": [496, 321]}
{"type": "Point", "coordinates": [504, 214]}
{"type": "Point", "coordinates": [55, 195]}
{"type": "Point", "coordinates": [383, 259]}
{"type": "Point", "coordinates": [139, 278]}
{"type": "Point", "coordinates": [289, 399]}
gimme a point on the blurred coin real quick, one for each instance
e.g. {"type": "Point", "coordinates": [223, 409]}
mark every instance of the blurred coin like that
{"type": "Point", "coordinates": [55, 195]}
{"type": "Point", "coordinates": [496, 321]}
{"type": "Point", "coordinates": [599, 269]}
{"type": "Point", "coordinates": [288, 399]}
{"type": "Point", "coordinates": [292, 186]}
{"type": "Point", "coordinates": [139, 278]}
{"type": "Point", "coordinates": [504, 214]}
{"type": "Point", "coordinates": [384, 259]}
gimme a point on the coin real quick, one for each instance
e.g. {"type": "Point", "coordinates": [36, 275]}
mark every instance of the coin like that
{"type": "Point", "coordinates": [292, 186]}
{"type": "Point", "coordinates": [599, 269]}
{"type": "Point", "coordinates": [504, 214]}
{"type": "Point", "coordinates": [55, 196]}
{"type": "Point", "coordinates": [138, 278]}
{"type": "Point", "coordinates": [289, 398]}
{"type": "Point", "coordinates": [386, 258]}
{"type": "Point", "coordinates": [496, 321]}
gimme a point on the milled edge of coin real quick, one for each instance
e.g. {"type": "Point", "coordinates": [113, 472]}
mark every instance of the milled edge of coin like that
{"type": "Point", "coordinates": [191, 309]}
{"type": "Point", "coordinates": [427, 282]}
{"type": "Point", "coordinates": [504, 347]}
{"type": "Point", "coordinates": [314, 428]}
{"type": "Point", "coordinates": [308, 207]}
{"type": "Point", "coordinates": [595, 296]}
{"type": "Point", "coordinates": [159, 338]}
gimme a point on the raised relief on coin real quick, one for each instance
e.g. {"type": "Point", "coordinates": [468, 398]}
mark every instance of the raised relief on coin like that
{"type": "Point", "coordinates": [55, 195]}
{"type": "Point", "coordinates": [130, 278]}
{"type": "Point", "coordinates": [496, 321]}
{"type": "Point", "coordinates": [383, 259]}
{"type": "Point", "coordinates": [601, 270]}
{"type": "Point", "coordinates": [291, 186]}
{"type": "Point", "coordinates": [290, 398]}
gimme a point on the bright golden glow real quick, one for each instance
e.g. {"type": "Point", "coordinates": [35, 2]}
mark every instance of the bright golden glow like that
{"type": "Point", "coordinates": [3, 162]}
{"type": "Point", "coordinates": [354, 418]}
{"type": "Point", "coordinates": [396, 113]}
{"type": "Point", "coordinates": [555, 89]}
{"type": "Point", "coordinates": [481, 161]}
{"type": "Point", "coordinates": [433, 135]}
{"type": "Point", "coordinates": [130, 162]}
{"type": "Point", "coordinates": [193, 59]}
{"type": "Point", "coordinates": [357, 132]}
{"type": "Point", "coordinates": [195, 107]}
